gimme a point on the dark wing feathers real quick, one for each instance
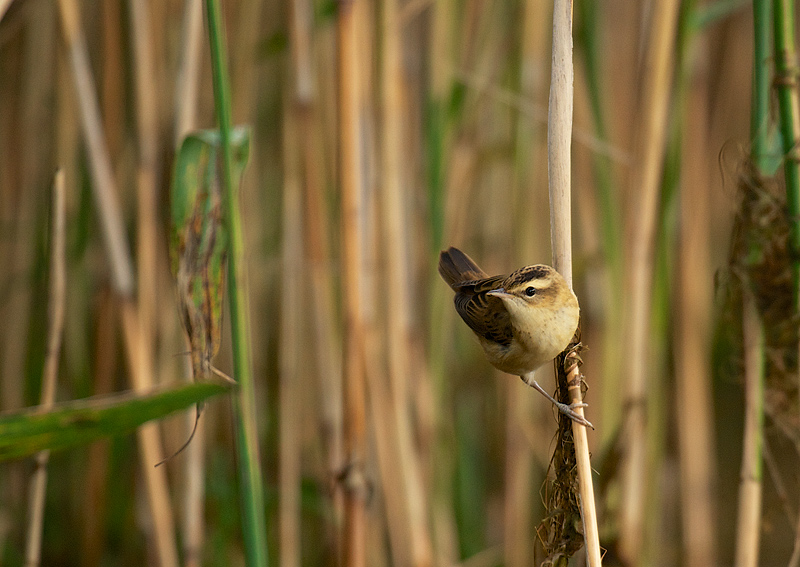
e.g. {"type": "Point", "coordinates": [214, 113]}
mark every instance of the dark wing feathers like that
{"type": "Point", "coordinates": [485, 315]}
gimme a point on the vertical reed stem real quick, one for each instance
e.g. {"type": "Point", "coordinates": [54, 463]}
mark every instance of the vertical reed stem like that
{"type": "Point", "coordinates": [646, 179]}
{"type": "Point", "coordinates": [352, 218]}
{"type": "Point", "coordinates": [252, 492]}
{"type": "Point", "coordinates": [55, 331]}
{"type": "Point", "coordinates": [559, 143]}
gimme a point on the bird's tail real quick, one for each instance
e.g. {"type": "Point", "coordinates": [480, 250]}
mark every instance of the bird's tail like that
{"type": "Point", "coordinates": [455, 267]}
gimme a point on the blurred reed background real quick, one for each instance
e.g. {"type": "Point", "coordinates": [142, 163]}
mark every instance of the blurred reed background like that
{"type": "Point", "coordinates": [439, 140]}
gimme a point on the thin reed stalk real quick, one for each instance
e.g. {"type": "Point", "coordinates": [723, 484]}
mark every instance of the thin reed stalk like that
{"type": "Point", "coordinates": [139, 355]}
{"type": "Point", "coordinates": [327, 353]}
{"type": "Point", "coordinates": [748, 528]}
{"type": "Point", "coordinates": [251, 489]}
{"type": "Point", "coordinates": [186, 84]}
{"type": "Point", "coordinates": [692, 327]}
{"type": "Point", "coordinates": [532, 215]}
{"type": "Point", "coordinates": [55, 331]}
{"type": "Point", "coordinates": [147, 230]}
{"type": "Point", "coordinates": [398, 269]}
{"type": "Point", "coordinates": [352, 220]}
{"type": "Point", "coordinates": [186, 95]}
{"type": "Point", "coordinates": [645, 181]}
{"type": "Point", "coordinates": [289, 407]}
{"type": "Point", "coordinates": [748, 533]}
{"type": "Point", "coordinates": [559, 142]}
{"type": "Point", "coordinates": [786, 76]}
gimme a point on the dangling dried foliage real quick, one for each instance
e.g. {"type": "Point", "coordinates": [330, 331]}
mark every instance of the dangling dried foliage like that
{"type": "Point", "coordinates": [561, 531]}
{"type": "Point", "coordinates": [760, 258]}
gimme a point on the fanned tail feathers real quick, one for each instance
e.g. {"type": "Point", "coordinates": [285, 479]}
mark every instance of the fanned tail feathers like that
{"type": "Point", "coordinates": [455, 267]}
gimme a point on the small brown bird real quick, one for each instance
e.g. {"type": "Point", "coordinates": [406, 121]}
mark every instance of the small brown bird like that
{"type": "Point", "coordinates": [522, 320]}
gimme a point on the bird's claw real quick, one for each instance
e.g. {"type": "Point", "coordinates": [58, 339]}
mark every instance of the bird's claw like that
{"type": "Point", "coordinates": [569, 411]}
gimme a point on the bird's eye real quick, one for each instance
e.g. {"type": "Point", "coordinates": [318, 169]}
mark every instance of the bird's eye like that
{"type": "Point", "coordinates": [530, 291]}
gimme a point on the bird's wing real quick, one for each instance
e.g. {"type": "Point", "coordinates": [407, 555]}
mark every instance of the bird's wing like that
{"type": "Point", "coordinates": [486, 315]}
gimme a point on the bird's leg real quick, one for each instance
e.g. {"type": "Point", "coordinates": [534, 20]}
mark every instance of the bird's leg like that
{"type": "Point", "coordinates": [566, 409]}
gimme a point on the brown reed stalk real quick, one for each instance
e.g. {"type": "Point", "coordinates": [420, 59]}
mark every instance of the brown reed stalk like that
{"type": "Point", "coordinates": [186, 97]}
{"type": "Point", "coordinates": [352, 219]}
{"type": "Point", "coordinates": [645, 182]}
{"type": "Point", "coordinates": [55, 331]}
{"type": "Point", "coordinates": [146, 172]}
{"type": "Point", "coordinates": [327, 354]}
{"type": "Point", "coordinates": [748, 533]}
{"type": "Point", "coordinates": [138, 351]}
{"type": "Point", "coordinates": [188, 69]}
{"type": "Point", "coordinates": [104, 369]}
{"type": "Point", "coordinates": [559, 142]}
{"type": "Point", "coordinates": [692, 335]}
{"type": "Point", "coordinates": [289, 407]}
{"type": "Point", "coordinates": [398, 269]}
{"type": "Point", "coordinates": [529, 222]}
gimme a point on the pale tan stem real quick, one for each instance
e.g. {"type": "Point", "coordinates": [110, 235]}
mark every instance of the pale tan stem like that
{"type": "Point", "coordinates": [645, 183]}
{"type": "Point", "coordinates": [559, 138]}
{"type": "Point", "coordinates": [352, 219]}
{"type": "Point", "coordinates": [748, 532]}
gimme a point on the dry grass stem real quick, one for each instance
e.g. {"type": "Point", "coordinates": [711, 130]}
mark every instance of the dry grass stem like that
{"type": "Point", "coordinates": [750, 493]}
{"type": "Point", "coordinates": [645, 182]}
{"type": "Point", "coordinates": [291, 343]}
{"type": "Point", "coordinates": [104, 187]}
{"type": "Point", "coordinates": [692, 337]}
{"type": "Point", "coordinates": [188, 69]}
{"type": "Point", "coordinates": [397, 269]}
{"type": "Point", "coordinates": [55, 331]}
{"type": "Point", "coordinates": [353, 479]}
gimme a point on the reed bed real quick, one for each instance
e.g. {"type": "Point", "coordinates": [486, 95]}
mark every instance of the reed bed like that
{"type": "Point", "coordinates": [367, 429]}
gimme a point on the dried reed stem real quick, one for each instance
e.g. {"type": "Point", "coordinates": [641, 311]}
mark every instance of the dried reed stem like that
{"type": "Point", "coordinates": [646, 180]}
{"type": "Point", "coordinates": [352, 219]}
{"type": "Point", "coordinates": [104, 187]}
{"type": "Point", "coordinates": [327, 353]}
{"type": "Point", "coordinates": [138, 350]}
{"type": "Point", "coordinates": [188, 69]}
{"type": "Point", "coordinates": [291, 343]}
{"type": "Point", "coordinates": [748, 531]}
{"type": "Point", "coordinates": [559, 136]}
{"type": "Point", "coordinates": [397, 266]}
{"type": "Point", "coordinates": [186, 95]}
{"type": "Point", "coordinates": [55, 331]}
{"type": "Point", "coordinates": [692, 337]}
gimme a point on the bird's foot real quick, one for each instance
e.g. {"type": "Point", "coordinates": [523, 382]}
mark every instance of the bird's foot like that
{"type": "Point", "coordinates": [569, 411]}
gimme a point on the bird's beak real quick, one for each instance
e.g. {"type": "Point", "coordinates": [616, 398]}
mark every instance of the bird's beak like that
{"type": "Point", "coordinates": [499, 293]}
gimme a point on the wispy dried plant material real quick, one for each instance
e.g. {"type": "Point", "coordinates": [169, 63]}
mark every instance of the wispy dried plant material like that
{"type": "Point", "coordinates": [55, 331]}
{"type": "Point", "coordinates": [353, 479]}
{"type": "Point", "coordinates": [645, 182]}
{"type": "Point", "coordinates": [559, 143]}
